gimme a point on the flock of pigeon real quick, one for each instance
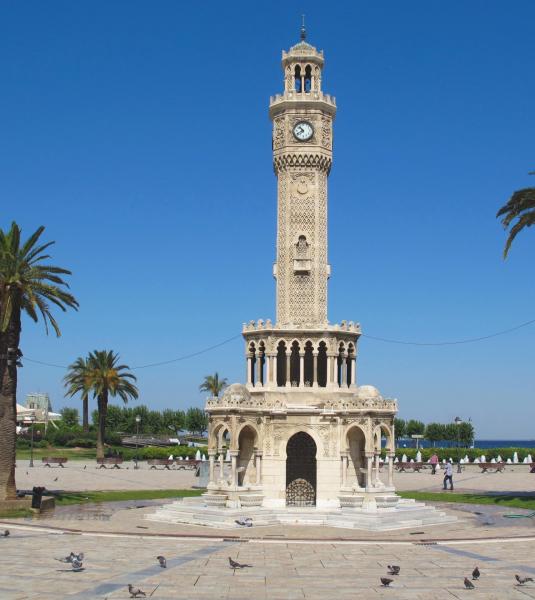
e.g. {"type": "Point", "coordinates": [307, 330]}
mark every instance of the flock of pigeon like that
{"type": "Point", "coordinates": [76, 562]}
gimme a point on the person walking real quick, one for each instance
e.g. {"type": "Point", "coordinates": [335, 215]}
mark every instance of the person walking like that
{"type": "Point", "coordinates": [448, 475]}
{"type": "Point", "coordinates": [434, 462]}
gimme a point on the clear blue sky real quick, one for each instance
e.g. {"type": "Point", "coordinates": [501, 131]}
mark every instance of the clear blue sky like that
{"type": "Point", "coordinates": [138, 134]}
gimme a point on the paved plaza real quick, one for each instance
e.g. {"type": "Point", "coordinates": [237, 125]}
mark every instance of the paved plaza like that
{"type": "Point", "coordinates": [199, 568]}
{"type": "Point", "coordinates": [288, 562]}
{"type": "Point", "coordinates": [81, 475]}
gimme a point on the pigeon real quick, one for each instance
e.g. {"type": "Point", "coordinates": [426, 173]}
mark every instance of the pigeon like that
{"type": "Point", "coordinates": [386, 582]}
{"type": "Point", "coordinates": [476, 574]}
{"type": "Point", "coordinates": [66, 559]}
{"type": "Point", "coordinates": [77, 564]}
{"type": "Point", "coordinates": [523, 580]}
{"type": "Point", "coordinates": [236, 565]}
{"type": "Point", "coordinates": [393, 570]}
{"type": "Point", "coordinates": [85, 467]}
{"type": "Point", "coordinates": [5, 533]}
{"type": "Point", "coordinates": [135, 592]}
{"type": "Point", "coordinates": [244, 522]}
{"type": "Point", "coordinates": [468, 584]}
{"type": "Point", "coordinates": [162, 561]}
{"type": "Point", "coordinates": [56, 479]}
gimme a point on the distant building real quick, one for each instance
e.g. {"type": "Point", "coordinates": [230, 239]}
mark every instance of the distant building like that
{"type": "Point", "coordinates": [39, 402]}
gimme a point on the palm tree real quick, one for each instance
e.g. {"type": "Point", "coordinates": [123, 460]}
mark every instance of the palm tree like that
{"type": "Point", "coordinates": [213, 384]}
{"type": "Point", "coordinates": [26, 285]}
{"type": "Point", "coordinates": [78, 380]}
{"type": "Point", "coordinates": [521, 206]}
{"type": "Point", "coordinates": [108, 378]}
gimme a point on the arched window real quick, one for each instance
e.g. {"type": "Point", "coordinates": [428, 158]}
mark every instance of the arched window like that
{"type": "Point", "coordinates": [261, 358]}
{"type": "Point", "coordinates": [281, 364]}
{"type": "Point", "coordinates": [309, 365]}
{"type": "Point", "coordinates": [340, 365]}
{"type": "Point", "coordinates": [308, 78]}
{"type": "Point", "coordinates": [298, 82]}
{"type": "Point", "coordinates": [294, 365]}
{"type": "Point", "coordinates": [322, 364]}
{"type": "Point", "coordinates": [252, 354]}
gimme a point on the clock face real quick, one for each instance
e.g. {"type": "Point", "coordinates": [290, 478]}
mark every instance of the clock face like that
{"type": "Point", "coordinates": [303, 131]}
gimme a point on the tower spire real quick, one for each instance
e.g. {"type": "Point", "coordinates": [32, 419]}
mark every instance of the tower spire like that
{"type": "Point", "coordinates": [303, 29]}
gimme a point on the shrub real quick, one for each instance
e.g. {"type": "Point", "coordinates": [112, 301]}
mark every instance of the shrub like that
{"type": "Point", "coordinates": [86, 442]}
{"type": "Point", "coordinates": [446, 453]}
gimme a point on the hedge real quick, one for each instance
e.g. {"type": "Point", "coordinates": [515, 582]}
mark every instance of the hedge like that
{"type": "Point", "coordinates": [446, 453]}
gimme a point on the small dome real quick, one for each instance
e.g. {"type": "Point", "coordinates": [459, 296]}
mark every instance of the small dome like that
{"type": "Point", "coordinates": [368, 391]}
{"type": "Point", "coordinates": [236, 393]}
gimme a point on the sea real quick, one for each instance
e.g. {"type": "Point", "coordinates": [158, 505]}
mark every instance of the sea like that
{"type": "Point", "coordinates": [410, 443]}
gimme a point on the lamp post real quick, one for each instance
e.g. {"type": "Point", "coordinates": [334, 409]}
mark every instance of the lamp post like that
{"type": "Point", "coordinates": [138, 421]}
{"type": "Point", "coordinates": [458, 422]}
{"type": "Point", "coordinates": [32, 420]}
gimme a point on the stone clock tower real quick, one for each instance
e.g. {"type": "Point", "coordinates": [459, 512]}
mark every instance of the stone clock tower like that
{"type": "Point", "coordinates": [300, 433]}
{"type": "Point", "coordinates": [302, 156]}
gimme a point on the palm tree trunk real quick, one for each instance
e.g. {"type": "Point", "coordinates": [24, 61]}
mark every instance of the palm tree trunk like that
{"type": "Point", "coordinates": [8, 406]}
{"type": "Point", "coordinates": [85, 414]}
{"type": "Point", "coordinates": [101, 432]}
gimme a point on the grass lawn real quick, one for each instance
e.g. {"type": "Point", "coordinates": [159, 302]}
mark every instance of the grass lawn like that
{"type": "Point", "coordinates": [507, 500]}
{"type": "Point", "coordinates": [115, 496]}
{"type": "Point", "coordinates": [19, 513]}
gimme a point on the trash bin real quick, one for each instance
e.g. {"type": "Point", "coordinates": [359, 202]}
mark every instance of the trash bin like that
{"type": "Point", "coordinates": [37, 496]}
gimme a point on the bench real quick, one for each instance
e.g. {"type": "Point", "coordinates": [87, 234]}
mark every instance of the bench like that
{"type": "Point", "coordinates": [403, 466]}
{"type": "Point", "coordinates": [498, 467]}
{"type": "Point", "coordinates": [54, 460]}
{"type": "Point", "coordinates": [187, 464]}
{"type": "Point", "coordinates": [114, 461]}
{"type": "Point", "coordinates": [160, 462]}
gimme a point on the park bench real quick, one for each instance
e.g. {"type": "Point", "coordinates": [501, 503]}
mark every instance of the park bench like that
{"type": "Point", "coordinates": [498, 467]}
{"type": "Point", "coordinates": [160, 462]}
{"type": "Point", "coordinates": [187, 464]}
{"type": "Point", "coordinates": [114, 462]}
{"type": "Point", "coordinates": [403, 466]}
{"type": "Point", "coordinates": [54, 460]}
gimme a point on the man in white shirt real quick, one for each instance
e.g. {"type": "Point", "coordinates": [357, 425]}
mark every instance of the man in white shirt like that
{"type": "Point", "coordinates": [448, 475]}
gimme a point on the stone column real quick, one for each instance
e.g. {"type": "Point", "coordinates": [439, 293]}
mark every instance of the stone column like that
{"type": "Point", "coordinates": [222, 464]}
{"type": "Point", "coordinates": [343, 375]}
{"type": "Point", "coordinates": [344, 468]}
{"type": "Point", "coordinates": [391, 457]}
{"type": "Point", "coordinates": [354, 371]}
{"type": "Point", "coordinates": [258, 464]}
{"type": "Point", "coordinates": [315, 370]}
{"type": "Point", "coordinates": [259, 378]}
{"type": "Point", "coordinates": [377, 460]}
{"type": "Point", "coordinates": [301, 369]}
{"type": "Point", "coordinates": [233, 472]}
{"type": "Point", "coordinates": [249, 368]}
{"type": "Point", "coordinates": [211, 458]}
{"type": "Point", "coordinates": [369, 470]}
{"type": "Point", "coordinates": [288, 373]}
{"type": "Point", "coordinates": [274, 370]}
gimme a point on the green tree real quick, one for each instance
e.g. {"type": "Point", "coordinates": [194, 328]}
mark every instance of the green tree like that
{"type": "Point", "coordinates": [70, 417]}
{"type": "Point", "coordinates": [196, 420]}
{"type": "Point", "coordinates": [415, 427]}
{"type": "Point", "coordinates": [466, 434]}
{"type": "Point", "coordinates": [450, 432]}
{"type": "Point", "coordinates": [77, 381]}
{"type": "Point", "coordinates": [174, 420]}
{"type": "Point", "coordinates": [434, 432]}
{"type": "Point", "coordinates": [106, 378]}
{"type": "Point", "coordinates": [521, 206]}
{"type": "Point", "coordinates": [213, 384]}
{"type": "Point", "coordinates": [26, 285]}
{"type": "Point", "coordinates": [400, 428]}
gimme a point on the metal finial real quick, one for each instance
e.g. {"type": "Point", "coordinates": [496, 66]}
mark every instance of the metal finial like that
{"type": "Point", "coordinates": [303, 30]}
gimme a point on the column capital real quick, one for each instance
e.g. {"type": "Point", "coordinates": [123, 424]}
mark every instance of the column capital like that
{"type": "Point", "coordinates": [212, 452]}
{"type": "Point", "coordinates": [258, 453]}
{"type": "Point", "coordinates": [234, 452]}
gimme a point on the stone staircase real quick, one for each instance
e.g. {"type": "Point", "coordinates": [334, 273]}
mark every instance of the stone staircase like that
{"type": "Point", "coordinates": [406, 514]}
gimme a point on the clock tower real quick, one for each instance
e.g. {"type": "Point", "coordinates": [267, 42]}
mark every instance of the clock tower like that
{"type": "Point", "coordinates": [302, 119]}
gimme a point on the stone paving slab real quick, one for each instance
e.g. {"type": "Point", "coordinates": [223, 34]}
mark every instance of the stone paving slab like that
{"type": "Point", "coordinates": [198, 569]}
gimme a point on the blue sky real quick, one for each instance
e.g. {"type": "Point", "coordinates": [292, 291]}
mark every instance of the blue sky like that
{"type": "Point", "coordinates": [138, 134]}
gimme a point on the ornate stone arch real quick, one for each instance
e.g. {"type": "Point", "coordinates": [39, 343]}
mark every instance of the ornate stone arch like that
{"type": "Point", "coordinates": [281, 438]}
{"type": "Point", "coordinates": [388, 430]}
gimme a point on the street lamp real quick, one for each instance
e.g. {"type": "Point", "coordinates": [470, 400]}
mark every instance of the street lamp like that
{"type": "Point", "coordinates": [138, 421]}
{"type": "Point", "coordinates": [32, 420]}
{"type": "Point", "coordinates": [458, 422]}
